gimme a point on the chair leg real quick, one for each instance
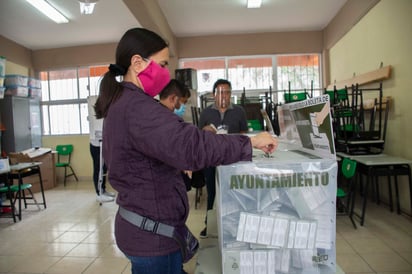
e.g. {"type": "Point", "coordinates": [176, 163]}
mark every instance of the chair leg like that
{"type": "Point", "coordinates": [74, 174]}
{"type": "Point", "coordinates": [34, 198]}
{"type": "Point", "coordinates": [21, 195]}
{"type": "Point", "coordinates": [12, 205]}
{"type": "Point", "coordinates": [352, 193]}
{"type": "Point", "coordinates": [24, 198]}
{"type": "Point", "coordinates": [65, 175]}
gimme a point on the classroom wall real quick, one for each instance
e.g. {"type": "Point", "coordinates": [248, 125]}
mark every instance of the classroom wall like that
{"type": "Point", "coordinates": [251, 44]}
{"type": "Point", "coordinates": [12, 68]}
{"type": "Point", "coordinates": [383, 35]}
{"type": "Point", "coordinates": [16, 54]}
{"type": "Point", "coordinates": [81, 160]}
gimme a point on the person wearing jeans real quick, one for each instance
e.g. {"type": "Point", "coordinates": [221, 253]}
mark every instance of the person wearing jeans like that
{"type": "Point", "coordinates": [146, 146]}
{"type": "Point", "coordinates": [96, 125]}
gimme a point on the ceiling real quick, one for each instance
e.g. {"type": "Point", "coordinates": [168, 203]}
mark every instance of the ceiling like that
{"type": "Point", "coordinates": [21, 23]}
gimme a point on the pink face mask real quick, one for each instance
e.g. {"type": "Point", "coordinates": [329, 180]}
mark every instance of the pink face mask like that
{"type": "Point", "coordinates": [154, 78]}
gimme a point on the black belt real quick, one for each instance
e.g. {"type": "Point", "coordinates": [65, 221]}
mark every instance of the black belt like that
{"type": "Point", "coordinates": [146, 223]}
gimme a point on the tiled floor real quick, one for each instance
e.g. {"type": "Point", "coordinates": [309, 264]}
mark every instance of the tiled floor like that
{"type": "Point", "coordinates": [75, 235]}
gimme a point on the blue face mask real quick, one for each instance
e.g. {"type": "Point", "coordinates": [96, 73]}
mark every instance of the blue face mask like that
{"type": "Point", "coordinates": [179, 112]}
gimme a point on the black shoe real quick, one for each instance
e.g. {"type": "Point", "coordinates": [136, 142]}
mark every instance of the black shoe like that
{"type": "Point", "coordinates": [203, 233]}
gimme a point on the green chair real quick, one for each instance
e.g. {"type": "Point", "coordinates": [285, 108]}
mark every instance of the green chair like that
{"type": "Point", "coordinates": [346, 192]}
{"type": "Point", "coordinates": [64, 153]}
{"type": "Point", "coordinates": [338, 96]}
{"type": "Point", "coordinates": [294, 97]}
{"type": "Point", "coordinates": [12, 192]}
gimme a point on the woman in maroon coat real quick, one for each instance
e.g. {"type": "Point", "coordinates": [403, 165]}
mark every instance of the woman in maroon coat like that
{"type": "Point", "coordinates": [145, 146]}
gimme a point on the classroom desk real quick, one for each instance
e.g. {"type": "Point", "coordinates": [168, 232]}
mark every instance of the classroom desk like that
{"type": "Point", "coordinates": [377, 165]}
{"type": "Point", "coordinates": [22, 170]}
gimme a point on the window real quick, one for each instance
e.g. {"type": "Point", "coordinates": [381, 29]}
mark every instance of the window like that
{"type": "Point", "coordinates": [298, 71]}
{"type": "Point", "coordinates": [250, 73]}
{"type": "Point", "coordinates": [64, 99]}
{"type": "Point", "coordinates": [258, 74]}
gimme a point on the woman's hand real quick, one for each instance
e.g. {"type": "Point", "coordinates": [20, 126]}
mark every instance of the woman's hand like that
{"type": "Point", "coordinates": [210, 128]}
{"type": "Point", "coordinates": [265, 142]}
{"type": "Point", "coordinates": [188, 173]}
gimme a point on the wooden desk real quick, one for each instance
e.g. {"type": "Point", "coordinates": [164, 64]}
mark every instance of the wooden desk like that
{"type": "Point", "coordinates": [22, 170]}
{"type": "Point", "coordinates": [377, 165]}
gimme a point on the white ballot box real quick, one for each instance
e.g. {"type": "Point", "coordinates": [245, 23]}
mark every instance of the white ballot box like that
{"type": "Point", "coordinates": [277, 215]}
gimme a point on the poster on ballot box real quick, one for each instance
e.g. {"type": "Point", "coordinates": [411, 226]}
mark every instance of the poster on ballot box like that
{"type": "Point", "coordinates": [308, 124]}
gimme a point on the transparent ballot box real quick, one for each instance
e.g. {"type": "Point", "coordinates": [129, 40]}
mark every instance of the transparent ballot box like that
{"type": "Point", "coordinates": [276, 214]}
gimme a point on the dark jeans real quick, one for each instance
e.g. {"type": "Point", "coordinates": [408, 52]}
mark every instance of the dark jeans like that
{"type": "Point", "coordinates": [95, 152]}
{"type": "Point", "coordinates": [168, 264]}
{"type": "Point", "coordinates": [210, 174]}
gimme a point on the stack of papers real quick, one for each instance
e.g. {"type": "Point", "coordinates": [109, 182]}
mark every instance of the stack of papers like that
{"type": "Point", "coordinates": [36, 152]}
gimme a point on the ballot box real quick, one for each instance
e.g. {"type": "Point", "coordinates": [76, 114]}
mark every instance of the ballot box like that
{"type": "Point", "coordinates": [277, 214]}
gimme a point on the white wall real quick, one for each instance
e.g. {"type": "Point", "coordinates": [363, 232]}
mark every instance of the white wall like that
{"type": "Point", "coordinates": [383, 35]}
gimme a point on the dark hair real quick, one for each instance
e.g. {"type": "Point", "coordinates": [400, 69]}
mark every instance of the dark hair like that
{"type": "Point", "coordinates": [135, 41]}
{"type": "Point", "coordinates": [221, 82]}
{"type": "Point", "coordinates": [175, 87]}
{"type": "Point", "coordinates": [186, 91]}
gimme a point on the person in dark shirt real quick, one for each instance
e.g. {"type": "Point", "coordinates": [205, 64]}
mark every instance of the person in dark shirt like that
{"type": "Point", "coordinates": [220, 117]}
{"type": "Point", "coordinates": [145, 147]}
{"type": "Point", "coordinates": [99, 180]}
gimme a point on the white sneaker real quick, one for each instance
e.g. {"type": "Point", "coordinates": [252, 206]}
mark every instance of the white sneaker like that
{"type": "Point", "coordinates": [109, 194]}
{"type": "Point", "coordinates": [104, 199]}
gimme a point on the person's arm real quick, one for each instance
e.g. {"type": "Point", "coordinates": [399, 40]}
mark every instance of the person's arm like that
{"type": "Point", "coordinates": [210, 128]}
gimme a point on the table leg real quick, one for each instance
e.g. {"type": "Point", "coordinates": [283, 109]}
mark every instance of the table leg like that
{"type": "Point", "coordinates": [351, 202]}
{"type": "Point", "coordinates": [41, 187]}
{"type": "Point", "coordinates": [390, 191]}
{"type": "Point", "coordinates": [398, 206]}
{"type": "Point", "coordinates": [19, 193]}
{"type": "Point", "coordinates": [376, 184]}
{"type": "Point", "coordinates": [365, 196]}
